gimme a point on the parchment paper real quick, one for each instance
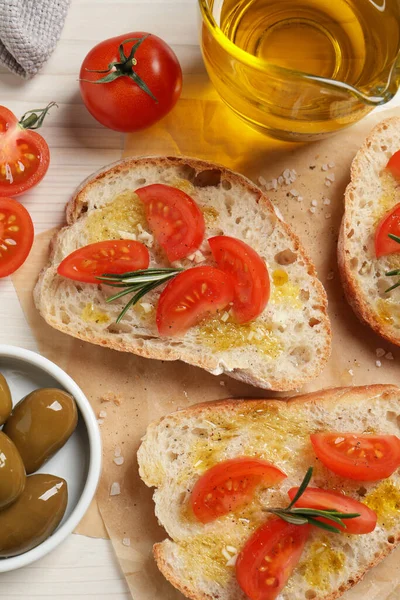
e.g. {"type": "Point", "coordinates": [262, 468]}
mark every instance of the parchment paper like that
{"type": "Point", "coordinates": [128, 392]}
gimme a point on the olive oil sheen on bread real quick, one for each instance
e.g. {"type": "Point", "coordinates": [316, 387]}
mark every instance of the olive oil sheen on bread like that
{"type": "Point", "coordinates": [336, 39]}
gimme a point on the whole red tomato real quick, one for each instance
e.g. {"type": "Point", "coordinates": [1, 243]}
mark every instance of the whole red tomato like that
{"type": "Point", "coordinates": [131, 81]}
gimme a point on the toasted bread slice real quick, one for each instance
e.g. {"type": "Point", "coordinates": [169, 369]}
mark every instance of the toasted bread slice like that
{"type": "Point", "coordinates": [286, 346]}
{"type": "Point", "coordinates": [372, 193]}
{"type": "Point", "coordinates": [180, 447]}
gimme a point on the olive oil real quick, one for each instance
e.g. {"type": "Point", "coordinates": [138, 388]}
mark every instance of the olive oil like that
{"type": "Point", "coordinates": [351, 41]}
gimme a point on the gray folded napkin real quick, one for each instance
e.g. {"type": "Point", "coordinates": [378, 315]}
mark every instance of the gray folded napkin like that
{"type": "Point", "coordinates": [29, 31]}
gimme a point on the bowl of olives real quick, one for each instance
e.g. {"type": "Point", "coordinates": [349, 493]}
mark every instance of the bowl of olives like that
{"type": "Point", "coordinates": [50, 456]}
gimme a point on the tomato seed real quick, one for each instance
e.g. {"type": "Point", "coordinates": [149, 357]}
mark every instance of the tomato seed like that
{"type": "Point", "coordinates": [271, 581]}
{"type": "Point", "coordinates": [2, 216]}
{"type": "Point", "coordinates": [11, 219]}
{"type": "Point", "coordinates": [29, 156]}
{"type": "Point", "coordinates": [13, 228]}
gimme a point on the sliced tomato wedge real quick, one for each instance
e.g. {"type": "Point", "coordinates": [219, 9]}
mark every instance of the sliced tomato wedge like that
{"type": "Point", "coordinates": [358, 456]}
{"type": "Point", "coordinates": [231, 484]}
{"type": "Point", "coordinates": [24, 156]}
{"type": "Point", "coordinates": [390, 223]}
{"type": "Point", "coordinates": [269, 557]}
{"type": "Point", "coordinates": [111, 256]}
{"type": "Point", "coordinates": [394, 164]}
{"type": "Point", "coordinates": [328, 500]}
{"type": "Point", "coordinates": [16, 235]}
{"type": "Point", "coordinates": [190, 296]}
{"type": "Point", "coordinates": [249, 272]}
{"type": "Point", "coordinates": [175, 219]}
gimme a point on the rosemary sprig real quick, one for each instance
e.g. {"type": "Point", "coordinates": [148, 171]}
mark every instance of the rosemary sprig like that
{"type": "Point", "coordinates": [138, 283]}
{"type": "Point", "coordinates": [302, 516]}
{"type": "Point", "coordinates": [395, 272]}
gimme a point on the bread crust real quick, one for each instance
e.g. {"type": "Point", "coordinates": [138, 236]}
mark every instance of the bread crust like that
{"type": "Point", "coordinates": [77, 206]}
{"type": "Point", "coordinates": [353, 291]}
{"type": "Point", "coordinates": [329, 396]}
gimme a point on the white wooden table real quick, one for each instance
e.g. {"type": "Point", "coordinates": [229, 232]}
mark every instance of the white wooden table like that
{"type": "Point", "coordinates": [81, 568]}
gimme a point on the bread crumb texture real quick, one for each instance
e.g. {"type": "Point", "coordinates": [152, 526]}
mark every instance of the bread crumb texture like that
{"type": "Point", "coordinates": [182, 446]}
{"type": "Point", "coordinates": [287, 345]}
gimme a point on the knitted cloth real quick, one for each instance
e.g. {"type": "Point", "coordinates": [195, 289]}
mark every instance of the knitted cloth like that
{"type": "Point", "coordinates": [29, 31]}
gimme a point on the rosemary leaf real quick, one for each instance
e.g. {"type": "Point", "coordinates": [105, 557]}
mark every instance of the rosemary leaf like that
{"type": "Point", "coordinates": [303, 487]}
{"type": "Point", "coordinates": [289, 518]}
{"type": "Point", "coordinates": [396, 238]}
{"type": "Point", "coordinates": [138, 296]}
{"type": "Point", "coordinates": [392, 273]}
{"type": "Point", "coordinates": [393, 287]}
{"type": "Point", "coordinates": [311, 512]}
{"type": "Point", "coordinates": [323, 525]}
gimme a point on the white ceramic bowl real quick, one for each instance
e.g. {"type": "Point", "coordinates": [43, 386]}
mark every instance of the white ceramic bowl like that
{"type": "Point", "coordinates": [78, 462]}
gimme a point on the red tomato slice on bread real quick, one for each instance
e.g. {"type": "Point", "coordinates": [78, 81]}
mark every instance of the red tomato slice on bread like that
{"type": "Point", "coordinates": [319, 499]}
{"type": "Point", "coordinates": [24, 156]}
{"type": "Point", "coordinates": [111, 256]}
{"type": "Point", "coordinates": [394, 165]}
{"type": "Point", "coordinates": [231, 484]}
{"type": "Point", "coordinates": [358, 456]}
{"type": "Point", "coordinates": [190, 296]}
{"type": "Point", "coordinates": [249, 273]}
{"type": "Point", "coordinates": [390, 224]}
{"type": "Point", "coordinates": [174, 218]}
{"type": "Point", "coordinates": [269, 557]}
{"type": "Point", "coordinates": [16, 235]}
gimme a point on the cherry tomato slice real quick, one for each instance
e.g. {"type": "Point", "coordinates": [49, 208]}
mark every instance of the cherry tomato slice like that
{"type": "Point", "coordinates": [24, 156]}
{"type": "Point", "coordinates": [231, 484]}
{"type": "Point", "coordinates": [390, 223]}
{"type": "Point", "coordinates": [269, 557]}
{"type": "Point", "coordinates": [358, 456]}
{"type": "Point", "coordinates": [190, 296]}
{"type": "Point", "coordinates": [16, 235]}
{"type": "Point", "coordinates": [175, 219]}
{"type": "Point", "coordinates": [111, 256]}
{"type": "Point", "coordinates": [329, 500]}
{"type": "Point", "coordinates": [394, 164]}
{"type": "Point", "coordinates": [248, 270]}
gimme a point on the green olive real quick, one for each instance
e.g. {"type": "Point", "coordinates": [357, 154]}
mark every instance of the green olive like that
{"type": "Point", "coordinates": [40, 424]}
{"type": "Point", "coordinates": [5, 400]}
{"type": "Point", "coordinates": [34, 516]}
{"type": "Point", "coordinates": [12, 472]}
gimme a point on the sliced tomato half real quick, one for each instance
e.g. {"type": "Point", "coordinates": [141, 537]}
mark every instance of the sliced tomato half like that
{"type": "Point", "coordinates": [111, 256]}
{"type": "Point", "coordinates": [190, 296]}
{"type": "Point", "coordinates": [175, 219]}
{"type": "Point", "coordinates": [16, 235]}
{"type": "Point", "coordinates": [231, 484]}
{"type": "Point", "coordinates": [358, 456]}
{"type": "Point", "coordinates": [249, 272]}
{"type": "Point", "coordinates": [329, 500]}
{"type": "Point", "coordinates": [24, 156]}
{"type": "Point", "coordinates": [394, 164]}
{"type": "Point", "coordinates": [390, 223]}
{"type": "Point", "coordinates": [269, 558]}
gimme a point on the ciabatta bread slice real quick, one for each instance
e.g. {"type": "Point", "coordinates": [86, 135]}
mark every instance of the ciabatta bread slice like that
{"type": "Point", "coordinates": [372, 193]}
{"type": "Point", "coordinates": [286, 346]}
{"type": "Point", "coordinates": [199, 559]}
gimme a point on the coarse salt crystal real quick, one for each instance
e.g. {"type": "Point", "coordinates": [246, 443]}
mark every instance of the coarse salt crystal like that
{"type": "Point", "coordinates": [380, 352]}
{"type": "Point", "coordinates": [117, 451]}
{"type": "Point", "coordinates": [314, 202]}
{"type": "Point", "coordinates": [294, 193]}
{"type": "Point", "coordinates": [378, 363]}
{"type": "Point", "coordinates": [351, 372]}
{"type": "Point", "coordinates": [199, 462]}
{"type": "Point", "coordinates": [328, 183]}
{"type": "Point", "coordinates": [225, 317]}
{"type": "Point", "coordinates": [232, 549]}
{"type": "Point", "coordinates": [232, 561]}
{"type": "Point", "coordinates": [326, 201]}
{"type": "Point", "coordinates": [331, 177]}
{"type": "Point", "coordinates": [243, 520]}
{"type": "Point", "coordinates": [119, 460]}
{"type": "Point", "coordinates": [286, 173]}
{"type": "Point", "coordinates": [126, 541]}
{"type": "Point", "coordinates": [280, 180]}
{"type": "Point", "coordinates": [330, 275]}
{"type": "Point", "coordinates": [115, 489]}
{"type": "Point", "coordinates": [146, 307]}
{"type": "Point", "coordinates": [274, 183]}
{"type": "Point", "coordinates": [262, 180]}
{"type": "Point", "coordinates": [331, 165]}
{"type": "Point", "coordinates": [389, 356]}
{"type": "Point", "coordinates": [226, 554]}
{"type": "Point", "coordinates": [100, 421]}
{"type": "Point", "coordinates": [222, 383]}
{"type": "Point", "coordinates": [324, 168]}
{"type": "Point", "coordinates": [102, 414]}
{"type": "Point", "coordinates": [339, 440]}
{"type": "Point", "coordinates": [313, 209]}
{"type": "Point", "coordinates": [250, 336]}
{"type": "Point", "coordinates": [299, 198]}
{"type": "Point", "coordinates": [126, 235]}
{"type": "Point", "coordinates": [328, 215]}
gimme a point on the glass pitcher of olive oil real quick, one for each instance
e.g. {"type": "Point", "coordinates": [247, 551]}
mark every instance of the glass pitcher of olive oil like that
{"type": "Point", "coordinates": [302, 69]}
